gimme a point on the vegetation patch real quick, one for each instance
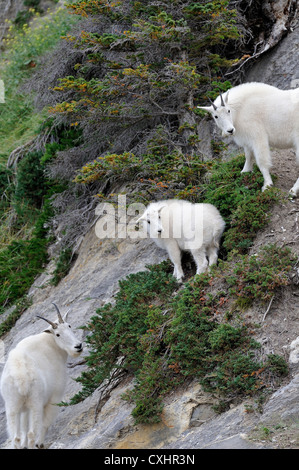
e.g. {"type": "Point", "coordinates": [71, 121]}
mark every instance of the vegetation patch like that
{"type": "Point", "coordinates": [16, 311]}
{"type": "Point", "coordinates": [25, 45]}
{"type": "Point", "coordinates": [163, 335]}
{"type": "Point", "coordinates": [199, 331]}
{"type": "Point", "coordinates": [63, 265]}
{"type": "Point", "coordinates": [240, 201]}
{"type": "Point", "coordinates": [26, 213]}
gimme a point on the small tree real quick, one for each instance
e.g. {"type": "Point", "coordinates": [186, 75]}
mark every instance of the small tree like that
{"type": "Point", "coordinates": [147, 65]}
{"type": "Point", "coordinates": [30, 182]}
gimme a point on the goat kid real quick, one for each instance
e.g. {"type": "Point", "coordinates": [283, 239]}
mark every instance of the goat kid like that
{"type": "Point", "coordinates": [258, 116]}
{"type": "Point", "coordinates": [177, 225]}
{"type": "Point", "coordinates": [33, 382]}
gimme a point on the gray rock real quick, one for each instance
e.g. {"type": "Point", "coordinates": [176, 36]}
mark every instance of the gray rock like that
{"type": "Point", "coordinates": [279, 66]}
{"type": "Point", "coordinates": [226, 431]}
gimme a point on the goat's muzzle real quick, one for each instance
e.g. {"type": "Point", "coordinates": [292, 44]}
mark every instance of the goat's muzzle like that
{"type": "Point", "coordinates": [79, 348]}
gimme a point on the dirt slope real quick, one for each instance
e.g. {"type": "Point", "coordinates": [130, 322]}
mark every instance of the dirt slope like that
{"type": "Point", "coordinates": [281, 324]}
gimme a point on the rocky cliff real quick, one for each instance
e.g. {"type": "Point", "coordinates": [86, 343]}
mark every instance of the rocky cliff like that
{"type": "Point", "coordinates": [188, 420]}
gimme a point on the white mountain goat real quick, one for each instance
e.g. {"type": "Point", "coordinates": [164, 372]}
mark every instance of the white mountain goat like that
{"type": "Point", "coordinates": [258, 116]}
{"type": "Point", "coordinates": [177, 225]}
{"type": "Point", "coordinates": [33, 382]}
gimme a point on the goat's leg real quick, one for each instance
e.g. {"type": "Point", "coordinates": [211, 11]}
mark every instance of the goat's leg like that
{"type": "Point", "coordinates": [174, 254]}
{"type": "Point", "coordinates": [263, 161]}
{"type": "Point", "coordinates": [249, 160]}
{"type": "Point", "coordinates": [50, 411]}
{"type": "Point", "coordinates": [13, 426]}
{"type": "Point", "coordinates": [35, 425]}
{"type": "Point", "coordinates": [200, 259]}
{"type": "Point", "coordinates": [212, 253]}
{"type": "Point", "coordinates": [24, 427]}
{"type": "Point", "coordinates": [295, 189]}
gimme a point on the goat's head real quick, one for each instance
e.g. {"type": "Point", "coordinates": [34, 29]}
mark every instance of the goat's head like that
{"type": "Point", "coordinates": [221, 113]}
{"type": "Point", "coordinates": [151, 220]}
{"type": "Point", "coordinates": [63, 335]}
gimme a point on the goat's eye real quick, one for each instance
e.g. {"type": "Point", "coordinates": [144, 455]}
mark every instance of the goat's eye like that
{"type": "Point", "coordinates": [216, 117]}
{"type": "Point", "coordinates": [148, 221]}
{"type": "Point", "coordinates": [228, 111]}
{"type": "Point", "coordinates": [57, 334]}
{"type": "Point", "coordinates": [70, 326]}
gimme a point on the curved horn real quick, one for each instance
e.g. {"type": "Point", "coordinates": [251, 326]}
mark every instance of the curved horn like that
{"type": "Point", "coordinates": [222, 102]}
{"type": "Point", "coordinates": [64, 317]}
{"type": "Point", "coordinates": [161, 207]}
{"type": "Point", "coordinates": [60, 319]}
{"type": "Point", "coordinates": [48, 321]}
{"type": "Point", "coordinates": [212, 103]}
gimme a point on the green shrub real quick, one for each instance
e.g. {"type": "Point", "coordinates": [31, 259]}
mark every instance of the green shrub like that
{"type": "Point", "coordinates": [257, 277]}
{"type": "Point", "coordinates": [30, 181]}
{"type": "Point", "coordinates": [66, 138]}
{"type": "Point", "coordinates": [158, 174]}
{"type": "Point", "coordinates": [62, 266]}
{"type": "Point", "coordinates": [240, 201]}
{"type": "Point", "coordinates": [23, 17]}
{"type": "Point", "coordinates": [20, 263]}
{"type": "Point", "coordinates": [162, 335]}
{"type": "Point", "coordinates": [24, 46]}
{"type": "Point", "coordinates": [29, 193]}
{"type": "Point", "coordinates": [277, 365]}
{"type": "Point", "coordinates": [31, 3]}
{"type": "Point", "coordinates": [225, 337]}
{"type": "Point", "coordinates": [117, 331]}
{"type": "Point", "coordinates": [6, 187]}
{"type": "Point", "coordinates": [20, 306]}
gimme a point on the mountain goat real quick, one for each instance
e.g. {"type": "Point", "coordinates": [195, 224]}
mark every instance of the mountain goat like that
{"type": "Point", "coordinates": [177, 225]}
{"type": "Point", "coordinates": [258, 116]}
{"type": "Point", "coordinates": [33, 382]}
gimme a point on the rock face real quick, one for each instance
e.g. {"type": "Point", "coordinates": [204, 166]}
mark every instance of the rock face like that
{"type": "Point", "coordinates": [294, 352]}
{"type": "Point", "coordinates": [92, 281]}
{"type": "Point", "coordinates": [279, 66]}
{"type": "Point", "coordinates": [188, 420]}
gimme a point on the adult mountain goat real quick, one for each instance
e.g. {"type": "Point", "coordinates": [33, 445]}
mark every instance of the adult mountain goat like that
{"type": "Point", "coordinates": [259, 116]}
{"type": "Point", "coordinates": [33, 382]}
{"type": "Point", "coordinates": [177, 225]}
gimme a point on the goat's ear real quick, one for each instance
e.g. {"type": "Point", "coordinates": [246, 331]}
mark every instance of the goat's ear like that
{"type": "Point", "coordinates": [209, 109]}
{"type": "Point", "coordinates": [48, 331]}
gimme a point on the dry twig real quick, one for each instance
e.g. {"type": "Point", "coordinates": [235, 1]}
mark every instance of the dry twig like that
{"type": "Point", "coordinates": [268, 309]}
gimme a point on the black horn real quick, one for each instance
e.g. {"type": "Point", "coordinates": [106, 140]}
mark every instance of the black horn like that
{"type": "Point", "coordinates": [48, 321]}
{"type": "Point", "coordinates": [222, 102]}
{"type": "Point", "coordinates": [60, 319]}
{"type": "Point", "coordinates": [212, 103]}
